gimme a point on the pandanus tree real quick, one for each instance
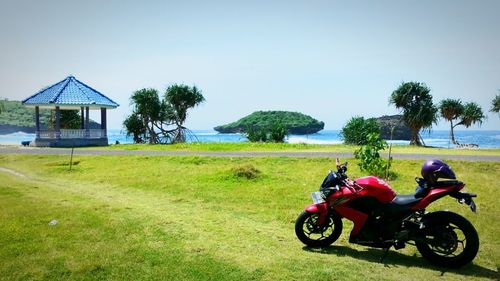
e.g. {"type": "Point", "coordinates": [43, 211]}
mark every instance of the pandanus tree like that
{"type": "Point", "coordinates": [463, 114]}
{"type": "Point", "coordinates": [156, 120]}
{"type": "Point", "coordinates": [473, 114]}
{"type": "Point", "coordinates": [451, 109]}
{"type": "Point", "coordinates": [415, 102]}
{"type": "Point", "coordinates": [495, 104]}
{"type": "Point", "coordinates": [178, 99]}
{"type": "Point", "coordinates": [145, 116]}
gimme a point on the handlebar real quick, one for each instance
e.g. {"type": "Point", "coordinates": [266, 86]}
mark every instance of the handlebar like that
{"type": "Point", "coordinates": [342, 169]}
{"type": "Point", "coordinates": [334, 180]}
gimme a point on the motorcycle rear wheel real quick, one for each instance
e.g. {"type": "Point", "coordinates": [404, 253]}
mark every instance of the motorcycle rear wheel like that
{"type": "Point", "coordinates": [449, 240]}
{"type": "Point", "coordinates": [310, 233]}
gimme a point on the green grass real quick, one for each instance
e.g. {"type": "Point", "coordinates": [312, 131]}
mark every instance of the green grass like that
{"type": "Point", "coordinates": [198, 218]}
{"type": "Point", "coordinates": [299, 147]}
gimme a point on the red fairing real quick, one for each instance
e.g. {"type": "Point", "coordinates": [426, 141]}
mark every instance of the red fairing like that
{"type": "Point", "coordinates": [321, 209]}
{"type": "Point", "coordinates": [435, 194]}
{"type": "Point", "coordinates": [357, 217]}
{"type": "Point", "coordinates": [377, 188]}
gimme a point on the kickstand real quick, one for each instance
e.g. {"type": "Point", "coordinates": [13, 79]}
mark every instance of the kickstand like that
{"type": "Point", "coordinates": [385, 254]}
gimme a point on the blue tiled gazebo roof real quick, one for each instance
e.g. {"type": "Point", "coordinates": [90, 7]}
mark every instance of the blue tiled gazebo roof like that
{"type": "Point", "coordinates": [70, 93]}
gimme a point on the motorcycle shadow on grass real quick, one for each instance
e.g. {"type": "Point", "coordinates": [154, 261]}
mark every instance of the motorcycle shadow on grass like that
{"type": "Point", "coordinates": [395, 259]}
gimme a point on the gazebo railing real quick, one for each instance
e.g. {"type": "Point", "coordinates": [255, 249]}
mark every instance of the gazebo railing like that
{"type": "Point", "coordinates": [46, 134]}
{"type": "Point", "coordinates": [97, 133]}
{"type": "Point", "coordinates": [72, 134]}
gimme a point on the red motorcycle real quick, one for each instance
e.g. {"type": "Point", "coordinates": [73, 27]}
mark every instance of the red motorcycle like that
{"type": "Point", "coordinates": [383, 219]}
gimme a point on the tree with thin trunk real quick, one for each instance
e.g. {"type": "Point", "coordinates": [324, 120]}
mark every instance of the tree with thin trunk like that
{"type": "Point", "coordinates": [451, 109]}
{"type": "Point", "coordinates": [415, 102]}
{"type": "Point", "coordinates": [463, 114]}
{"type": "Point", "coordinates": [178, 99]}
{"type": "Point", "coordinates": [495, 104]}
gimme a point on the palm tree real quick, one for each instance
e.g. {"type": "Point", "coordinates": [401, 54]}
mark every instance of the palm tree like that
{"type": "Point", "coordinates": [472, 114]}
{"type": "Point", "coordinates": [419, 112]}
{"type": "Point", "coordinates": [180, 98]}
{"type": "Point", "coordinates": [148, 109]}
{"type": "Point", "coordinates": [495, 104]}
{"type": "Point", "coordinates": [450, 110]}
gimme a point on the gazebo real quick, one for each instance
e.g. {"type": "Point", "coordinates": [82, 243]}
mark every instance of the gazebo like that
{"type": "Point", "coordinates": [70, 94]}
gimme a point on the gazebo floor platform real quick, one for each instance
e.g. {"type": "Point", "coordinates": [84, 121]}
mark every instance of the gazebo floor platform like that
{"type": "Point", "coordinates": [76, 142]}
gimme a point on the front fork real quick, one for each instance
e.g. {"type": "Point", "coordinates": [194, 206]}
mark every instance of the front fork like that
{"type": "Point", "coordinates": [321, 209]}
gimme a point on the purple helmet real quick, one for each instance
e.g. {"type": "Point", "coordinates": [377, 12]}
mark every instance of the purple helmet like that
{"type": "Point", "coordinates": [432, 170]}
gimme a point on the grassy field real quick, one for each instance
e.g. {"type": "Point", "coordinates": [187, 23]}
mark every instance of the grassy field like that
{"type": "Point", "coordinates": [300, 147]}
{"type": "Point", "coordinates": [195, 218]}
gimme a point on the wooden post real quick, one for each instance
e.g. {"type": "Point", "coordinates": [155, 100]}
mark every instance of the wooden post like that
{"type": "Point", "coordinates": [87, 129]}
{"type": "Point", "coordinates": [82, 118]}
{"type": "Point", "coordinates": [103, 123]}
{"type": "Point", "coordinates": [58, 123]}
{"type": "Point", "coordinates": [37, 121]}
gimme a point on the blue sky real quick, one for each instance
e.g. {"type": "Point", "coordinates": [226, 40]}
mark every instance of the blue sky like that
{"type": "Point", "coordinates": [329, 59]}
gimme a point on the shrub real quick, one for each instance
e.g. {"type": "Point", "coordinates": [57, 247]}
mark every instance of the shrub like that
{"type": "Point", "coordinates": [256, 135]}
{"type": "Point", "coordinates": [369, 156]}
{"type": "Point", "coordinates": [278, 132]}
{"type": "Point", "coordinates": [357, 129]}
{"type": "Point", "coordinates": [247, 171]}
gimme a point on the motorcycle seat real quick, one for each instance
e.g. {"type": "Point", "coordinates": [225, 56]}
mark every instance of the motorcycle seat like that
{"type": "Point", "coordinates": [404, 200]}
{"type": "Point", "coordinates": [446, 183]}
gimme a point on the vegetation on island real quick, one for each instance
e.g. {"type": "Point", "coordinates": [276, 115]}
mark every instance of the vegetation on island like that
{"type": "Point", "coordinates": [295, 122]}
{"type": "Point", "coordinates": [463, 114]}
{"type": "Point", "coordinates": [156, 120]}
{"type": "Point", "coordinates": [277, 132]}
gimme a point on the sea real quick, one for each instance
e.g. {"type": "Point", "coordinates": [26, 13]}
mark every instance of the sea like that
{"type": "Point", "coordinates": [436, 138]}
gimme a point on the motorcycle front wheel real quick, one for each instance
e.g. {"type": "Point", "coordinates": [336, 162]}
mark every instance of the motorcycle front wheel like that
{"type": "Point", "coordinates": [310, 233]}
{"type": "Point", "coordinates": [448, 240]}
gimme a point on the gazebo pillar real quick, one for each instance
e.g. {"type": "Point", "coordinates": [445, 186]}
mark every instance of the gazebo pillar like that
{"type": "Point", "coordinates": [58, 123]}
{"type": "Point", "coordinates": [82, 118]}
{"type": "Point", "coordinates": [87, 129]}
{"type": "Point", "coordinates": [37, 121]}
{"type": "Point", "coordinates": [104, 133]}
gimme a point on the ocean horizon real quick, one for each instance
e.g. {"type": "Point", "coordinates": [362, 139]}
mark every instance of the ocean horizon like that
{"type": "Point", "coordinates": [436, 138]}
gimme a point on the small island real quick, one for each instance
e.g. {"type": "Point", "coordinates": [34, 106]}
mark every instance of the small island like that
{"type": "Point", "coordinates": [401, 130]}
{"type": "Point", "coordinates": [297, 123]}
